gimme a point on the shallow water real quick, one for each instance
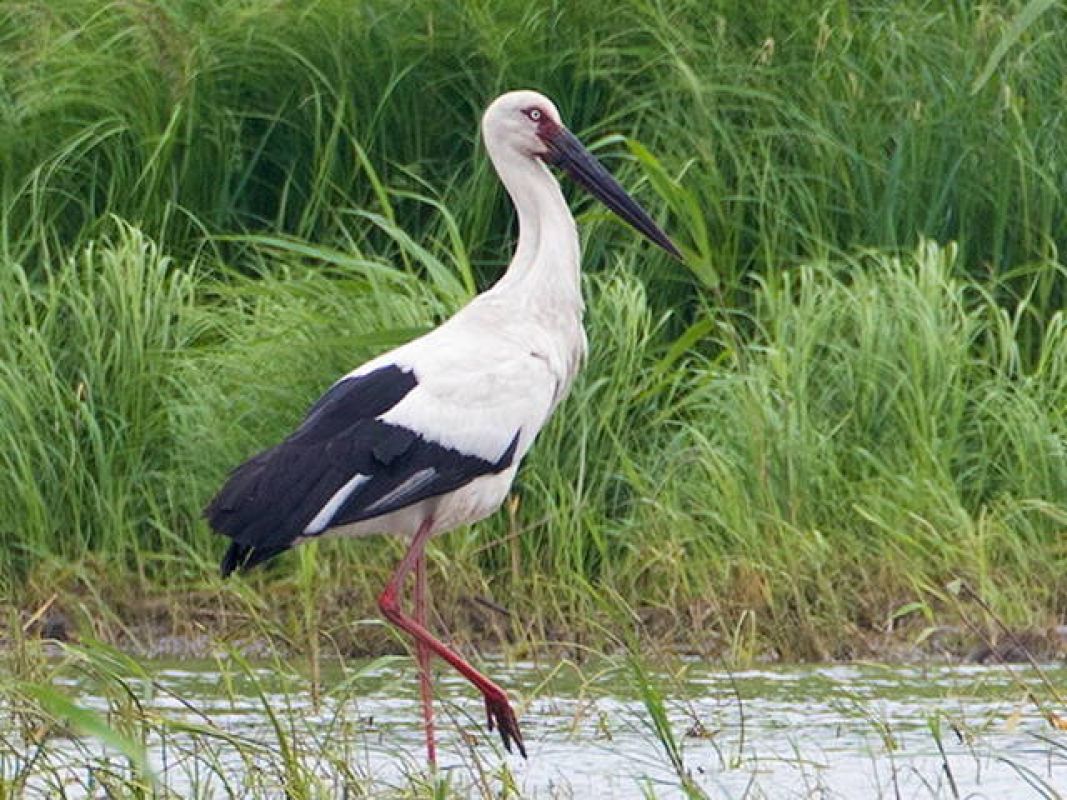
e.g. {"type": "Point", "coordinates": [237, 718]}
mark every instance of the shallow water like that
{"type": "Point", "coordinates": [776, 732]}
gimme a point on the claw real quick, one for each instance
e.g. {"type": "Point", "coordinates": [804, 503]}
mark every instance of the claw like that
{"type": "Point", "coordinates": [500, 716]}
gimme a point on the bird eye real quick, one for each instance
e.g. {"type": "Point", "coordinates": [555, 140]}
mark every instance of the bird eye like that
{"type": "Point", "coordinates": [534, 114]}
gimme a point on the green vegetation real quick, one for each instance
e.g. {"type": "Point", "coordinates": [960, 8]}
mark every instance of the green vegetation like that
{"type": "Point", "coordinates": [855, 395]}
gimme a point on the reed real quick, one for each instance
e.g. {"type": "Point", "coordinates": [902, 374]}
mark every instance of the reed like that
{"type": "Point", "coordinates": [208, 211]}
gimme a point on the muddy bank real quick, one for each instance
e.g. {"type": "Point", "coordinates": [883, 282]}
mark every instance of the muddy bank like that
{"type": "Point", "coordinates": [198, 627]}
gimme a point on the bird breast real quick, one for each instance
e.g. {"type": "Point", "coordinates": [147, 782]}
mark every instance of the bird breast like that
{"type": "Point", "coordinates": [546, 332]}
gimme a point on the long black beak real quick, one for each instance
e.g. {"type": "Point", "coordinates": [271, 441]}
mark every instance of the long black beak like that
{"type": "Point", "coordinates": [569, 154]}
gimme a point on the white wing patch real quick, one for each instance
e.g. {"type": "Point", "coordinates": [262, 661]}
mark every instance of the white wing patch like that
{"type": "Point", "coordinates": [408, 487]}
{"type": "Point", "coordinates": [321, 520]}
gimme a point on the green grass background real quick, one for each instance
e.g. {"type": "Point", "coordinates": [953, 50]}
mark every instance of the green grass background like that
{"type": "Point", "coordinates": [853, 395]}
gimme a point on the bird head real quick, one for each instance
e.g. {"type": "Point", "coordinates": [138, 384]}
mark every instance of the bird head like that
{"type": "Point", "coordinates": [527, 124]}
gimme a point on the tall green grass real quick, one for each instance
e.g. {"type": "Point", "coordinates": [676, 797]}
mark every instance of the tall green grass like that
{"type": "Point", "coordinates": [802, 129]}
{"type": "Point", "coordinates": [86, 366]}
{"type": "Point", "coordinates": [209, 211]}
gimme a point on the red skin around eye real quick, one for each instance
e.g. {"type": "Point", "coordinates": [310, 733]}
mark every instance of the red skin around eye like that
{"type": "Point", "coordinates": [547, 128]}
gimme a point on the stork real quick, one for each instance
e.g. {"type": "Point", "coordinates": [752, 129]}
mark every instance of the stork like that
{"type": "Point", "coordinates": [428, 436]}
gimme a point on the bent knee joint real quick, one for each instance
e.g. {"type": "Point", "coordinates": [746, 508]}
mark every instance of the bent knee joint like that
{"type": "Point", "coordinates": [388, 604]}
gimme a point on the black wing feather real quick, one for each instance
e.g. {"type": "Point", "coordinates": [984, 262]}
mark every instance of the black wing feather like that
{"type": "Point", "coordinates": [270, 500]}
{"type": "Point", "coordinates": [444, 470]}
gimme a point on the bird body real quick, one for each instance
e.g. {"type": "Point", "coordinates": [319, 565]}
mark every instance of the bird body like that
{"type": "Point", "coordinates": [429, 436]}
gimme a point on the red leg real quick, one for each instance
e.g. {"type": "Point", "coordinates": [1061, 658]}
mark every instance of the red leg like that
{"type": "Point", "coordinates": [498, 710]}
{"type": "Point", "coordinates": [423, 654]}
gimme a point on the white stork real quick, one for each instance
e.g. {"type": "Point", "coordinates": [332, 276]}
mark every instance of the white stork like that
{"type": "Point", "coordinates": [428, 437]}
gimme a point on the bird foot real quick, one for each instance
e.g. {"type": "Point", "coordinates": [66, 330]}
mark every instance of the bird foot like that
{"type": "Point", "coordinates": [501, 716]}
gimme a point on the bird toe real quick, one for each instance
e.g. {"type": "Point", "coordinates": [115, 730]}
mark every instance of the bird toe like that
{"type": "Point", "coordinates": [500, 716]}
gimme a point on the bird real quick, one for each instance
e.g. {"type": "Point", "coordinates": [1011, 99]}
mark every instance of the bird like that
{"type": "Point", "coordinates": [428, 436]}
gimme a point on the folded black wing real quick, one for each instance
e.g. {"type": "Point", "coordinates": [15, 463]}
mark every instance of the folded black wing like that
{"type": "Point", "coordinates": [342, 465]}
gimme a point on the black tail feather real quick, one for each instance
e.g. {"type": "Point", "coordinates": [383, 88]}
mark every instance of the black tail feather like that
{"type": "Point", "coordinates": [243, 557]}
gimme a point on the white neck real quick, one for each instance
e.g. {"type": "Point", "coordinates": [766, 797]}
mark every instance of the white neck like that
{"type": "Point", "coordinates": [545, 266]}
